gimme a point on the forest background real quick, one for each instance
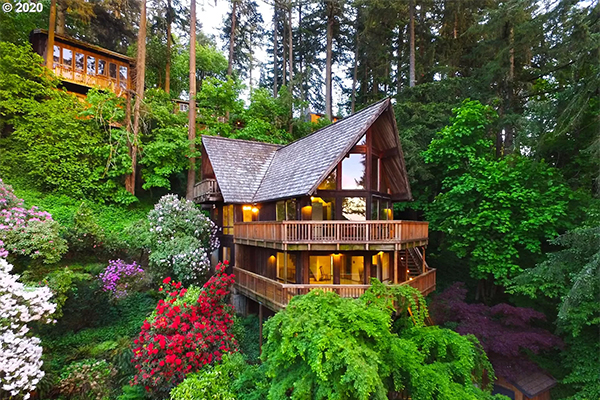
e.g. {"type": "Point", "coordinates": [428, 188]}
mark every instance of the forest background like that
{"type": "Point", "coordinates": [498, 110]}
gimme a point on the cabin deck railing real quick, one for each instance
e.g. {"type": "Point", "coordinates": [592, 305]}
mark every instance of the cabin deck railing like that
{"type": "Point", "coordinates": [292, 232]}
{"type": "Point", "coordinates": [277, 295]}
{"type": "Point", "coordinates": [206, 189]}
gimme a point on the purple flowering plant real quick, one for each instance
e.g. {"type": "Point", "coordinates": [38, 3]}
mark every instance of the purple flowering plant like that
{"type": "Point", "coordinates": [120, 278]}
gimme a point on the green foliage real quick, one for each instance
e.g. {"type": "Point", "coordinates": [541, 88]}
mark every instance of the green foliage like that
{"type": "Point", "coordinates": [245, 331]}
{"type": "Point", "coordinates": [493, 212]}
{"type": "Point", "coordinates": [132, 393]}
{"type": "Point", "coordinates": [62, 282]}
{"type": "Point", "coordinates": [87, 379]}
{"type": "Point", "coordinates": [323, 346]}
{"type": "Point", "coordinates": [212, 381]}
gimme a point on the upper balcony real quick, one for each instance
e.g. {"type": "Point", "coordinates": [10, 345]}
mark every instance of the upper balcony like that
{"type": "Point", "coordinates": [332, 235]}
{"type": "Point", "coordinates": [207, 190]}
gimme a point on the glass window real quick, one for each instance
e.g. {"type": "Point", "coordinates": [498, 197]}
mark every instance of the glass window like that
{"type": "Point", "coordinates": [56, 54]}
{"type": "Point", "coordinates": [226, 254]}
{"type": "Point", "coordinates": [323, 209]}
{"type": "Point", "coordinates": [123, 76]}
{"type": "Point", "coordinates": [321, 270]}
{"type": "Point", "coordinates": [375, 174]}
{"type": "Point", "coordinates": [291, 267]}
{"type": "Point", "coordinates": [362, 141]}
{"type": "Point", "coordinates": [381, 261]}
{"type": "Point", "coordinates": [228, 219]}
{"type": "Point", "coordinates": [291, 211]}
{"type": "Point", "coordinates": [112, 70]}
{"type": "Point", "coordinates": [330, 182]}
{"type": "Point", "coordinates": [353, 269]}
{"type": "Point", "coordinates": [383, 181]}
{"type": "Point", "coordinates": [102, 67]}
{"type": "Point", "coordinates": [247, 213]}
{"type": "Point", "coordinates": [280, 211]}
{"type": "Point", "coordinates": [79, 57]}
{"type": "Point", "coordinates": [375, 208]}
{"type": "Point", "coordinates": [385, 210]}
{"type": "Point", "coordinates": [68, 57]}
{"type": "Point", "coordinates": [354, 208]}
{"type": "Point", "coordinates": [353, 172]}
{"type": "Point", "coordinates": [91, 65]}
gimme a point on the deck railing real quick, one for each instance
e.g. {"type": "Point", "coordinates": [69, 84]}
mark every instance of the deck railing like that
{"type": "Point", "coordinates": [278, 295]}
{"type": "Point", "coordinates": [206, 189]}
{"type": "Point", "coordinates": [333, 231]}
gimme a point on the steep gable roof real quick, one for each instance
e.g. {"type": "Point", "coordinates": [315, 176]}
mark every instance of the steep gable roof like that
{"type": "Point", "coordinates": [256, 172]}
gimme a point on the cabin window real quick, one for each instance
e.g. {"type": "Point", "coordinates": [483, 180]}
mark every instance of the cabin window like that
{"type": "Point", "coordinates": [375, 208]}
{"type": "Point", "coordinates": [226, 253]}
{"type": "Point", "coordinates": [384, 185]}
{"type": "Point", "coordinates": [375, 174]}
{"type": "Point", "coordinates": [362, 141]}
{"type": "Point", "coordinates": [353, 269]}
{"type": "Point", "coordinates": [228, 219]}
{"type": "Point", "coordinates": [330, 182]}
{"type": "Point", "coordinates": [354, 208]}
{"type": "Point", "coordinates": [79, 59]}
{"type": "Point", "coordinates": [112, 70]}
{"type": "Point", "coordinates": [386, 212]}
{"type": "Point", "coordinates": [68, 57]}
{"type": "Point", "coordinates": [286, 210]}
{"type": "Point", "coordinates": [123, 76]}
{"type": "Point", "coordinates": [381, 261]}
{"type": "Point", "coordinates": [184, 107]}
{"type": "Point", "coordinates": [322, 209]}
{"type": "Point", "coordinates": [91, 65]}
{"type": "Point", "coordinates": [56, 54]}
{"type": "Point", "coordinates": [353, 172]}
{"type": "Point", "coordinates": [247, 214]}
{"type": "Point", "coordinates": [281, 267]}
{"type": "Point", "coordinates": [102, 67]}
{"type": "Point", "coordinates": [321, 270]}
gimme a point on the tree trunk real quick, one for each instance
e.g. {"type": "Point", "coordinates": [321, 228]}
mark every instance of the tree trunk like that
{"type": "Point", "coordinates": [140, 66]}
{"type": "Point", "coordinates": [411, 29]}
{"type": "Point", "coordinates": [290, 44]}
{"type": "Point", "coordinates": [232, 37]}
{"type": "Point", "coordinates": [399, 66]}
{"type": "Point", "coordinates": [509, 129]}
{"type": "Point", "coordinates": [284, 52]}
{"type": "Point", "coordinates": [61, 16]}
{"type": "Point", "coordinates": [191, 178]}
{"type": "Point", "coordinates": [328, 95]}
{"type": "Point", "coordinates": [275, 87]}
{"type": "Point", "coordinates": [354, 76]}
{"type": "Point", "coordinates": [51, 29]}
{"type": "Point", "coordinates": [169, 43]}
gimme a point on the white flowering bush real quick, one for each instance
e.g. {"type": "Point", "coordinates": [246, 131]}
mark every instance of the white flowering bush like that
{"type": "Point", "coordinates": [182, 238]}
{"type": "Point", "coordinates": [20, 353]}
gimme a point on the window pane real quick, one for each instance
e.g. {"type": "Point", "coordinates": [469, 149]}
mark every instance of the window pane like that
{"type": "Point", "coordinates": [375, 174]}
{"type": "Point", "coordinates": [362, 141]}
{"type": "Point", "coordinates": [123, 77]}
{"type": "Point", "coordinates": [385, 210]}
{"type": "Point", "coordinates": [280, 210]}
{"type": "Point", "coordinates": [79, 61]}
{"type": "Point", "coordinates": [68, 57]}
{"type": "Point", "coordinates": [112, 70]}
{"type": "Point", "coordinates": [330, 182]}
{"type": "Point", "coordinates": [321, 270]}
{"type": "Point", "coordinates": [353, 172]}
{"type": "Point", "coordinates": [383, 182]}
{"type": "Point", "coordinates": [101, 67]}
{"type": "Point", "coordinates": [375, 208]}
{"type": "Point", "coordinates": [56, 54]}
{"type": "Point", "coordinates": [354, 208]}
{"type": "Point", "coordinates": [91, 65]}
{"type": "Point", "coordinates": [247, 214]}
{"type": "Point", "coordinates": [353, 268]}
{"type": "Point", "coordinates": [323, 209]}
{"type": "Point", "coordinates": [291, 267]}
{"type": "Point", "coordinates": [291, 210]}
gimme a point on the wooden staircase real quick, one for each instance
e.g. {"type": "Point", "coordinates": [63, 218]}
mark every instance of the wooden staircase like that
{"type": "Point", "coordinates": [416, 265]}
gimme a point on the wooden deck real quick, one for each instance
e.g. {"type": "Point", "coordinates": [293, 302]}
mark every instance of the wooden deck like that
{"type": "Point", "coordinates": [207, 190]}
{"type": "Point", "coordinates": [332, 235]}
{"type": "Point", "coordinates": [276, 295]}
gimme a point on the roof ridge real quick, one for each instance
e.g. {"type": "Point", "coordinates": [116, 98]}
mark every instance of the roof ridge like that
{"type": "Point", "coordinates": [279, 146]}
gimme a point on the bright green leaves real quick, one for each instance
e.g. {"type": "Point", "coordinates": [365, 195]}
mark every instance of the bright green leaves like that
{"type": "Point", "coordinates": [493, 212]}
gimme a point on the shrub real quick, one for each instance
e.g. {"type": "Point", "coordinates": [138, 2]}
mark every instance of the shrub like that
{"type": "Point", "coordinates": [182, 237]}
{"type": "Point", "coordinates": [120, 279]}
{"type": "Point", "coordinates": [87, 379]}
{"type": "Point", "coordinates": [20, 353]}
{"type": "Point", "coordinates": [181, 339]}
{"type": "Point", "coordinates": [27, 232]}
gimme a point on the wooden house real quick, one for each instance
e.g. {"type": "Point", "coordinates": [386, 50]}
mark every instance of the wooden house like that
{"type": "Point", "coordinates": [82, 66]}
{"type": "Point", "coordinates": [316, 213]}
{"type": "Point", "coordinates": [534, 385]}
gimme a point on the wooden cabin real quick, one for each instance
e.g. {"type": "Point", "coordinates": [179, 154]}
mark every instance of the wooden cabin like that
{"type": "Point", "coordinates": [316, 213]}
{"type": "Point", "coordinates": [534, 385]}
{"type": "Point", "coordinates": [82, 66]}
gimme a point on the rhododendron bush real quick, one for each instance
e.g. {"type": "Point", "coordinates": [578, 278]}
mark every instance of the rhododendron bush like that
{"type": "Point", "coordinates": [27, 232]}
{"type": "Point", "coordinates": [183, 337]}
{"type": "Point", "coordinates": [20, 353]}
{"type": "Point", "coordinates": [120, 279]}
{"type": "Point", "coordinates": [182, 238]}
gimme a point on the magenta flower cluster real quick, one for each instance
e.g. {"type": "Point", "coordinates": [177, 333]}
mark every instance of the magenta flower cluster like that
{"type": "Point", "coordinates": [119, 277]}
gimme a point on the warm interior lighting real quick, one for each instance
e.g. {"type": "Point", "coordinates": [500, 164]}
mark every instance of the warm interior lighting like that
{"type": "Point", "coordinates": [246, 208]}
{"type": "Point", "coordinates": [410, 279]}
{"type": "Point", "coordinates": [380, 253]}
{"type": "Point", "coordinates": [254, 210]}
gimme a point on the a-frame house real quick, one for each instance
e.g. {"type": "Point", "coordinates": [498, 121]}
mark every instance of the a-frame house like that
{"type": "Point", "coordinates": [316, 213]}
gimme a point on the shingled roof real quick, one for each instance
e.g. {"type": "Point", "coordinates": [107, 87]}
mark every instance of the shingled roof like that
{"type": "Point", "coordinates": [252, 172]}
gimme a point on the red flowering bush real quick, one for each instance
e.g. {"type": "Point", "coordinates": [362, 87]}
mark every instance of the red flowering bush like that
{"type": "Point", "coordinates": [183, 337]}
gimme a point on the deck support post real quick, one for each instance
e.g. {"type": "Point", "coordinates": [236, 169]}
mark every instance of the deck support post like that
{"type": "Point", "coordinates": [337, 260]}
{"type": "Point", "coordinates": [396, 263]}
{"type": "Point", "coordinates": [367, 272]}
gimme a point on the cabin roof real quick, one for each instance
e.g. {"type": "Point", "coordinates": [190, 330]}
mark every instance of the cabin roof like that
{"type": "Point", "coordinates": [534, 383]}
{"type": "Point", "coordinates": [252, 172]}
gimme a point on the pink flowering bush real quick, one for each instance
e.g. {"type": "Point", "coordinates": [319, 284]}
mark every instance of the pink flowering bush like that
{"type": "Point", "coordinates": [27, 232]}
{"type": "Point", "coordinates": [20, 353]}
{"type": "Point", "coordinates": [120, 278]}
